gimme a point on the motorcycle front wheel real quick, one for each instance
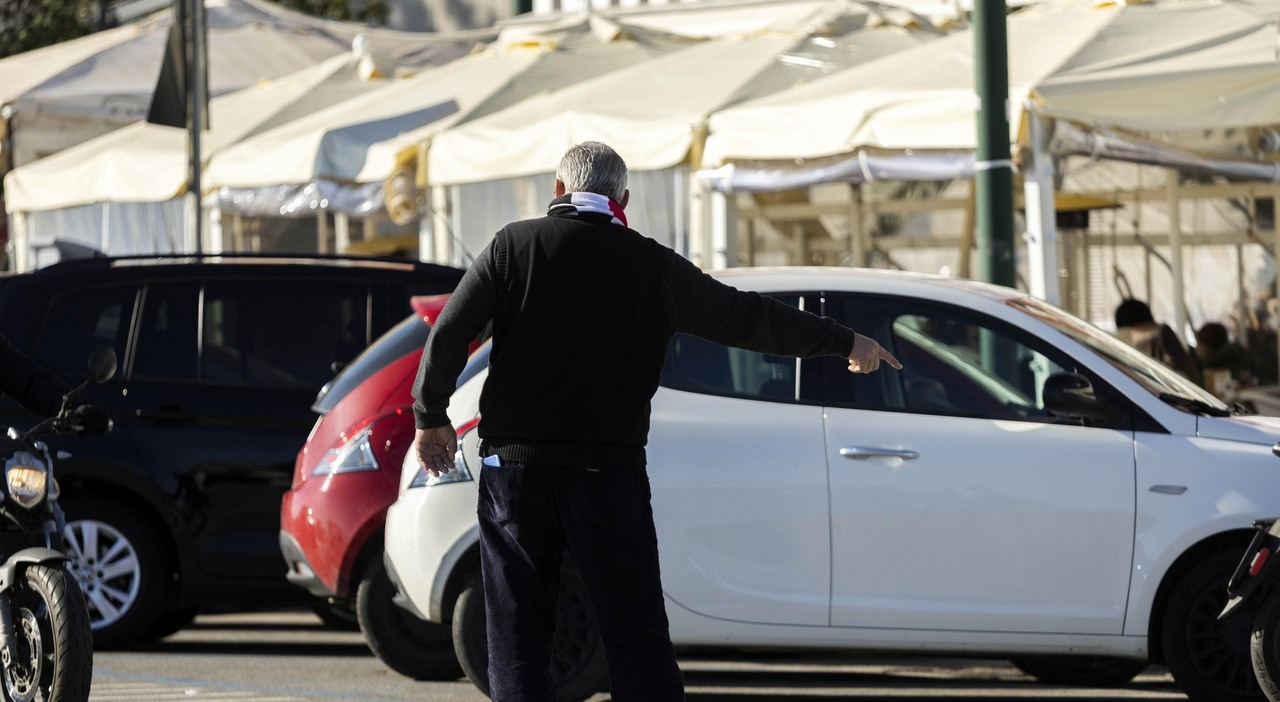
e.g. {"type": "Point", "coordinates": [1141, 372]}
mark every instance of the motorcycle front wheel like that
{"type": "Point", "coordinates": [53, 642]}
{"type": "Point", "coordinates": [1264, 647]}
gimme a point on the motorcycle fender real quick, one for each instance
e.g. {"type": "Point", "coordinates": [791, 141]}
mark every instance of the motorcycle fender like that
{"type": "Point", "coordinates": [27, 556]}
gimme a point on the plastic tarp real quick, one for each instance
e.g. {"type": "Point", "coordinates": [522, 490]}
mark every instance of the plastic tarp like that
{"type": "Point", "coordinates": [655, 112]}
{"type": "Point", "coordinates": [145, 162]}
{"type": "Point", "coordinates": [864, 167]}
{"type": "Point", "coordinates": [1162, 66]}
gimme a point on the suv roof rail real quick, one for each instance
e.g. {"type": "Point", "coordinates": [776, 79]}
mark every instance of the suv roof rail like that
{"type": "Point", "coordinates": [239, 257]}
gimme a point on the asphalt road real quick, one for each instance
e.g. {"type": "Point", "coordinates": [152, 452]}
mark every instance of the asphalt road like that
{"type": "Point", "coordinates": [291, 657]}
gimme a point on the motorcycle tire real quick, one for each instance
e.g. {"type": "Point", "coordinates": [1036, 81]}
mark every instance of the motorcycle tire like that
{"type": "Point", "coordinates": [412, 647]}
{"type": "Point", "coordinates": [1209, 658]}
{"type": "Point", "coordinates": [54, 645]}
{"type": "Point", "coordinates": [577, 667]}
{"type": "Point", "coordinates": [1264, 647]}
{"type": "Point", "coordinates": [1081, 671]}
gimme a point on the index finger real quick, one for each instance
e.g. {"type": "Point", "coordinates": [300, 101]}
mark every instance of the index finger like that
{"type": "Point", "coordinates": [888, 358]}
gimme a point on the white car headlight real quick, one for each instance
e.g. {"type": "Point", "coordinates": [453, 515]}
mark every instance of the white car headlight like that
{"type": "Point", "coordinates": [353, 456]}
{"type": "Point", "coordinates": [421, 478]}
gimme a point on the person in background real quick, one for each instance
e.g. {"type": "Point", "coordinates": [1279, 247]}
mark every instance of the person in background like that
{"type": "Point", "coordinates": [583, 308]}
{"type": "Point", "coordinates": [1215, 350]}
{"type": "Point", "coordinates": [1136, 326]}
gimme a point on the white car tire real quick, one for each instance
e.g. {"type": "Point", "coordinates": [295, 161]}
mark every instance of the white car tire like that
{"type": "Point", "coordinates": [578, 665]}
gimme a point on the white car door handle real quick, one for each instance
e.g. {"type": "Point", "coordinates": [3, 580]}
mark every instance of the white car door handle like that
{"type": "Point", "coordinates": [862, 453]}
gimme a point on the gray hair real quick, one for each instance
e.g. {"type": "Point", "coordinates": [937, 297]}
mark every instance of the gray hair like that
{"type": "Point", "coordinates": [593, 167]}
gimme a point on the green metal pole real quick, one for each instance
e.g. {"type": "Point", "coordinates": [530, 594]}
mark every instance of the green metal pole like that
{"type": "Point", "coordinates": [993, 172]}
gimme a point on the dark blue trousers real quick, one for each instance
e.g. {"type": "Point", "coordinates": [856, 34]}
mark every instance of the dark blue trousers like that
{"type": "Point", "coordinates": [529, 516]}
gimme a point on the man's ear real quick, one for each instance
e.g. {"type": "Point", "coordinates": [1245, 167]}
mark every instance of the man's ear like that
{"type": "Point", "coordinates": [559, 188]}
{"type": "Point", "coordinates": [626, 197]}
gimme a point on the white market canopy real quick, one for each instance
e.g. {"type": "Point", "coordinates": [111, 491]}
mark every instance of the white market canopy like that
{"type": "Point", "coordinates": [1170, 66]}
{"type": "Point", "coordinates": [145, 162]}
{"type": "Point", "coordinates": [65, 94]}
{"type": "Point", "coordinates": [335, 143]}
{"type": "Point", "coordinates": [656, 112]}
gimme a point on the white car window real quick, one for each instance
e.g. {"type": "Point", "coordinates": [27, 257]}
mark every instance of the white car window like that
{"type": "Point", "coordinates": [955, 363]}
{"type": "Point", "coordinates": [696, 365]}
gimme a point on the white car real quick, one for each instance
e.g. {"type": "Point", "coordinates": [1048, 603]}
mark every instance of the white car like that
{"type": "Point", "coordinates": [1026, 487]}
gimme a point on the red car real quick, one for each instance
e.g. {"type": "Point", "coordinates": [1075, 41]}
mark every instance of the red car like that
{"type": "Point", "coordinates": [345, 477]}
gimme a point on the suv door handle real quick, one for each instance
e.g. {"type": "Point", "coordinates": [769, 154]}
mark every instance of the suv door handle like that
{"type": "Point", "coordinates": [168, 413]}
{"type": "Point", "coordinates": [862, 453]}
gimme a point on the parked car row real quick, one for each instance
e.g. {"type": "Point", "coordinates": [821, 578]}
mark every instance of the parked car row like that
{"type": "Point", "coordinates": [1026, 487]}
{"type": "Point", "coordinates": [178, 507]}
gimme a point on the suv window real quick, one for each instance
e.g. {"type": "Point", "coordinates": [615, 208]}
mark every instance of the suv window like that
{"type": "Point", "coordinates": [696, 365]}
{"type": "Point", "coordinates": [258, 333]}
{"type": "Point", "coordinates": [167, 333]}
{"type": "Point", "coordinates": [84, 320]}
{"type": "Point", "coordinates": [277, 334]}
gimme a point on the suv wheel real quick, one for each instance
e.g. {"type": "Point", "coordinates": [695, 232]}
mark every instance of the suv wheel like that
{"type": "Point", "coordinates": [410, 646]}
{"type": "Point", "coordinates": [577, 662]}
{"type": "Point", "coordinates": [1209, 658]}
{"type": "Point", "coordinates": [118, 564]}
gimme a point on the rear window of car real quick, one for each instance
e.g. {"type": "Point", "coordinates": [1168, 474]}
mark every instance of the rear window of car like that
{"type": "Point", "coordinates": [407, 336]}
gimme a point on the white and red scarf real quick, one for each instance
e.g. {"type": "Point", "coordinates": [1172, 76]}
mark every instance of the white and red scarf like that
{"type": "Point", "coordinates": [571, 204]}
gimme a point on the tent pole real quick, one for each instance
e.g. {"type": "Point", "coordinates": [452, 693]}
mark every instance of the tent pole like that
{"type": "Point", "coordinates": [215, 230]}
{"type": "Point", "coordinates": [21, 247]}
{"type": "Point", "coordinates": [699, 245]}
{"type": "Point", "coordinates": [857, 237]}
{"type": "Point", "coordinates": [1175, 253]}
{"type": "Point", "coordinates": [964, 268]}
{"type": "Point", "coordinates": [724, 229]}
{"type": "Point", "coordinates": [1042, 230]}
{"type": "Point", "coordinates": [440, 224]}
{"type": "Point", "coordinates": [341, 232]}
{"type": "Point", "coordinates": [322, 232]}
{"type": "Point", "coordinates": [426, 237]}
{"type": "Point", "coordinates": [679, 232]}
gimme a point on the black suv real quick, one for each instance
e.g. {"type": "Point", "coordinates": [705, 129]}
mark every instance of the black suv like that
{"type": "Point", "coordinates": [220, 360]}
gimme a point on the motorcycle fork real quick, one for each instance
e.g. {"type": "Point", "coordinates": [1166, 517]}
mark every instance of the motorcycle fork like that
{"type": "Point", "coordinates": [7, 635]}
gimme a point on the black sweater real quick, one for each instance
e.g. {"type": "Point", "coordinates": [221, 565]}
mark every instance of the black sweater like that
{"type": "Point", "coordinates": [582, 313]}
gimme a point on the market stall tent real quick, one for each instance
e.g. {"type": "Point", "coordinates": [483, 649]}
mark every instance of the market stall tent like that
{"type": "Point", "coordinates": [67, 93]}
{"type": "Point", "coordinates": [1154, 74]}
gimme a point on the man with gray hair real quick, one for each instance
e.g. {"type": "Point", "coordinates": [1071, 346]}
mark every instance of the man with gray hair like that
{"type": "Point", "coordinates": [583, 309]}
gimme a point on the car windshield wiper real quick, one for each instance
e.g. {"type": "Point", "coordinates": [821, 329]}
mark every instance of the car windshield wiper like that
{"type": "Point", "coordinates": [1194, 405]}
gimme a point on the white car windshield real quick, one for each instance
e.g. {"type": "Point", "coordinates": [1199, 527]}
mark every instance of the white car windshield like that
{"type": "Point", "coordinates": [1151, 374]}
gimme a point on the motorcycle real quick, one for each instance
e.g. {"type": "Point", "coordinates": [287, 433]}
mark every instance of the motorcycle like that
{"type": "Point", "coordinates": [1254, 586]}
{"type": "Point", "coordinates": [46, 645]}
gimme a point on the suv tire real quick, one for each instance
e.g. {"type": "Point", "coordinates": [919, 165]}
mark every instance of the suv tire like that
{"type": "Point", "coordinates": [125, 602]}
{"type": "Point", "coordinates": [412, 647]}
{"type": "Point", "coordinates": [577, 664]}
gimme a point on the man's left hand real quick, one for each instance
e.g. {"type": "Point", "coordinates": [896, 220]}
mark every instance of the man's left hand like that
{"type": "Point", "coordinates": [435, 448]}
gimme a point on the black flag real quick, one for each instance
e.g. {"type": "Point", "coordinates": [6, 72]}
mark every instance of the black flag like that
{"type": "Point", "coordinates": [171, 101]}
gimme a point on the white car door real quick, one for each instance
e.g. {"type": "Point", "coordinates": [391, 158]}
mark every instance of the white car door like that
{"type": "Point", "coordinates": [738, 473]}
{"type": "Point", "coordinates": [957, 503]}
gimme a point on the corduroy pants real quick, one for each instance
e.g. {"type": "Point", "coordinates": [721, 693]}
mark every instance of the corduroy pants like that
{"type": "Point", "coordinates": [530, 516]}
